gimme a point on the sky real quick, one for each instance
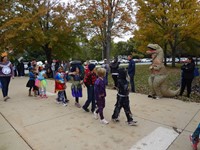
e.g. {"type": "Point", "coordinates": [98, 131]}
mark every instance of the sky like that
{"type": "Point", "coordinates": [116, 39]}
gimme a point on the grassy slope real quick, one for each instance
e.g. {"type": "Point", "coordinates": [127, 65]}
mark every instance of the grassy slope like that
{"type": "Point", "coordinates": [173, 81]}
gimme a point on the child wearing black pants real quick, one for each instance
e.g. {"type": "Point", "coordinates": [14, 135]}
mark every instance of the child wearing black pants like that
{"type": "Point", "coordinates": [123, 98]}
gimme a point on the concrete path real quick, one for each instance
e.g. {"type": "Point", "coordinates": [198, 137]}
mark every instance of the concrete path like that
{"type": "Point", "coordinates": [28, 123]}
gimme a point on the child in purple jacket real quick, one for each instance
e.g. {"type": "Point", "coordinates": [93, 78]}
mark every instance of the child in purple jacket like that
{"type": "Point", "coordinates": [100, 94]}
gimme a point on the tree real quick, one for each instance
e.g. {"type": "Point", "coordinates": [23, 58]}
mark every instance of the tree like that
{"type": "Point", "coordinates": [105, 19]}
{"type": "Point", "coordinates": [38, 24]}
{"type": "Point", "coordinates": [169, 23]}
{"type": "Point", "coordinates": [124, 48]}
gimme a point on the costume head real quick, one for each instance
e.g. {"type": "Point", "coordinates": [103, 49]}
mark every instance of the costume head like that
{"type": "Point", "coordinates": [91, 67]}
{"type": "Point", "coordinates": [155, 49]}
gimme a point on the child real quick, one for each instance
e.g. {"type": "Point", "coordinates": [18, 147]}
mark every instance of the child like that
{"type": "Point", "coordinates": [100, 94]}
{"type": "Point", "coordinates": [31, 81]}
{"type": "Point", "coordinates": [76, 85]}
{"type": "Point", "coordinates": [123, 98]}
{"type": "Point", "coordinates": [60, 86]}
{"type": "Point", "coordinates": [194, 138]}
{"type": "Point", "coordinates": [42, 82]}
{"type": "Point", "coordinates": [89, 81]}
{"type": "Point", "coordinates": [35, 72]}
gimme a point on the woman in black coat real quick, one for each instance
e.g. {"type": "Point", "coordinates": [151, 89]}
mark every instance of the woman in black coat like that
{"type": "Point", "coordinates": [187, 76]}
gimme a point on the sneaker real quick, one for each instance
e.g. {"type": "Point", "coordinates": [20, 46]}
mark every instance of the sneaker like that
{"type": "Point", "coordinates": [78, 105]}
{"type": "Point", "coordinates": [104, 121]}
{"type": "Point", "coordinates": [45, 96]}
{"type": "Point", "coordinates": [156, 97]}
{"type": "Point", "coordinates": [58, 102]}
{"type": "Point", "coordinates": [132, 123]}
{"type": "Point", "coordinates": [115, 120]}
{"type": "Point", "coordinates": [86, 109]}
{"type": "Point", "coordinates": [95, 115]}
{"type": "Point", "coordinates": [6, 98]}
{"type": "Point", "coordinates": [194, 143]}
{"type": "Point", "coordinates": [64, 104]}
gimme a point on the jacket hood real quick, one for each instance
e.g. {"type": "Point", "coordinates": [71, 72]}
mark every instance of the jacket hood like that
{"type": "Point", "coordinates": [122, 73]}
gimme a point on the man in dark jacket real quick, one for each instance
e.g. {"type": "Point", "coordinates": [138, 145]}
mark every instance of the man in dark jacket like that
{"type": "Point", "coordinates": [131, 72]}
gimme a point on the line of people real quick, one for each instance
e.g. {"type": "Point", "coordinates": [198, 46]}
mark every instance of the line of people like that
{"type": "Point", "coordinates": [96, 89]}
{"type": "Point", "coordinates": [93, 80]}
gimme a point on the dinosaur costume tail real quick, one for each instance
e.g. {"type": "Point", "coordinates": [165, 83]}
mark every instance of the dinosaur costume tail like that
{"type": "Point", "coordinates": [166, 92]}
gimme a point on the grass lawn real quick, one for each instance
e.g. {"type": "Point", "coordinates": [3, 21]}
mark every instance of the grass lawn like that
{"type": "Point", "coordinates": [173, 81]}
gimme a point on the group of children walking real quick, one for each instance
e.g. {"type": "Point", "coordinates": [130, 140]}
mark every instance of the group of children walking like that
{"type": "Point", "coordinates": [96, 92]}
{"type": "Point", "coordinates": [93, 80]}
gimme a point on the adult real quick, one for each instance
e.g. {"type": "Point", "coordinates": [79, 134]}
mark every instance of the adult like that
{"type": "Point", "coordinates": [29, 66]}
{"type": "Point", "coordinates": [53, 68]}
{"type": "Point", "coordinates": [114, 71]}
{"type": "Point", "coordinates": [187, 75]}
{"type": "Point", "coordinates": [131, 72]}
{"type": "Point", "coordinates": [48, 69]}
{"type": "Point", "coordinates": [6, 72]}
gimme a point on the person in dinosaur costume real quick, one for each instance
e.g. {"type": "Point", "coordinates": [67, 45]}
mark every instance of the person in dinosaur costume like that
{"type": "Point", "coordinates": [158, 74]}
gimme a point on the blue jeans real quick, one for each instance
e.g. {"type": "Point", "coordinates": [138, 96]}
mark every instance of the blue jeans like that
{"type": "Point", "coordinates": [5, 84]}
{"type": "Point", "coordinates": [61, 97]}
{"type": "Point", "coordinates": [90, 99]}
{"type": "Point", "coordinates": [196, 133]}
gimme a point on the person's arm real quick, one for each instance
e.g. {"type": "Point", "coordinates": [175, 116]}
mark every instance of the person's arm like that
{"type": "Point", "coordinates": [101, 90]}
{"type": "Point", "coordinates": [12, 71]}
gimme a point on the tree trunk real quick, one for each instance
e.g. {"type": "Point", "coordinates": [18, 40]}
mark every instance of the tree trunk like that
{"type": "Point", "coordinates": [173, 48]}
{"type": "Point", "coordinates": [165, 54]}
{"type": "Point", "coordinates": [48, 52]}
{"type": "Point", "coordinates": [104, 50]}
{"type": "Point", "coordinates": [108, 46]}
{"type": "Point", "coordinates": [108, 33]}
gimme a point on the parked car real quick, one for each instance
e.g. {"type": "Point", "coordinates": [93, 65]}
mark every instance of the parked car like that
{"type": "Point", "coordinates": [170, 60]}
{"type": "Point", "coordinates": [146, 60]}
{"type": "Point", "coordinates": [101, 62]}
{"type": "Point", "coordinates": [123, 61]}
{"type": "Point", "coordinates": [93, 62]}
{"type": "Point", "coordinates": [137, 60]}
{"type": "Point", "coordinates": [183, 60]}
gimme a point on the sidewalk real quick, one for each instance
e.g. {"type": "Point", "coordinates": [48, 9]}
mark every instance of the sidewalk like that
{"type": "Point", "coordinates": [28, 123]}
